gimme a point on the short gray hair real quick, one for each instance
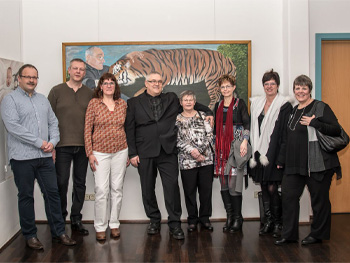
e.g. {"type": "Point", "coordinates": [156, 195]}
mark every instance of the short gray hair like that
{"type": "Point", "coordinates": [90, 51]}
{"type": "Point", "coordinates": [188, 93]}
{"type": "Point", "coordinates": [153, 73]}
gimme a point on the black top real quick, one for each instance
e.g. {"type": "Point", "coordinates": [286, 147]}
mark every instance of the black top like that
{"type": "Point", "coordinates": [297, 143]}
{"type": "Point", "coordinates": [240, 115]}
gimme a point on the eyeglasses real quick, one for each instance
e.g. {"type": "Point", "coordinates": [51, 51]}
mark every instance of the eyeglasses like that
{"type": "Point", "coordinates": [270, 84]}
{"type": "Point", "coordinates": [153, 82]}
{"type": "Point", "coordinates": [105, 84]}
{"type": "Point", "coordinates": [226, 87]}
{"type": "Point", "coordinates": [29, 77]}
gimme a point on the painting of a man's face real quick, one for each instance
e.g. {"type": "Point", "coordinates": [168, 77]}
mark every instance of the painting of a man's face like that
{"type": "Point", "coordinates": [9, 77]}
{"type": "Point", "coordinates": [97, 59]}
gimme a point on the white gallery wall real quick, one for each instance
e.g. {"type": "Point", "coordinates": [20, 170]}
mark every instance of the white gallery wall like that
{"type": "Point", "coordinates": [279, 30]}
{"type": "Point", "coordinates": [10, 48]}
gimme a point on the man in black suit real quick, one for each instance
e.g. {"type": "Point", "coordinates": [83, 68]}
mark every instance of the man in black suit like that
{"type": "Point", "coordinates": [151, 135]}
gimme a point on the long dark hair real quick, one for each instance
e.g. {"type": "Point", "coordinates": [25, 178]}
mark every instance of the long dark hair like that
{"type": "Point", "coordinates": [98, 91]}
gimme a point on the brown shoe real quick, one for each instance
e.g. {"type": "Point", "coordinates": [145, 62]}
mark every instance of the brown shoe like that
{"type": "Point", "coordinates": [101, 236]}
{"type": "Point", "coordinates": [64, 239]}
{"type": "Point", "coordinates": [115, 232]}
{"type": "Point", "coordinates": [34, 243]}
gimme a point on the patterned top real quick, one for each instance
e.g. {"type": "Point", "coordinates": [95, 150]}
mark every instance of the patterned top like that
{"type": "Point", "coordinates": [104, 129]}
{"type": "Point", "coordinates": [194, 133]}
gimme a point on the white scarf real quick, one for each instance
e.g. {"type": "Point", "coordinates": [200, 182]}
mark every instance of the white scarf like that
{"type": "Point", "coordinates": [261, 143]}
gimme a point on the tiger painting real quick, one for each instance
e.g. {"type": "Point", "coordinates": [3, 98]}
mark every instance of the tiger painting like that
{"type": "Point", "coordinates": [177, 66]}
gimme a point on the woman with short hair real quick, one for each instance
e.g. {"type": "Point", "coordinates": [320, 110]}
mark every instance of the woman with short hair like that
{"type": "Point", "coordinates": [308, 164]}
{"type": "Point", "coordinates": [194, 141]}
{"type": "Point", "coordinates": [269, 117]}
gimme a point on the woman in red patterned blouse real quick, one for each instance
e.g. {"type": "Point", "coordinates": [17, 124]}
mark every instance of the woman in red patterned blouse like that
{"type": "Point", "coordinates": [106, 147]}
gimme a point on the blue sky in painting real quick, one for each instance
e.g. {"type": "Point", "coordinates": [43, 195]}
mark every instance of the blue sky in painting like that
{"type": "Point", "coordinates": [115, 52]}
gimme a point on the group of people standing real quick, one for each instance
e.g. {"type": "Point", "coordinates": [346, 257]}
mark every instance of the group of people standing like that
{"type": "Point", "coordinates": [159, 132]}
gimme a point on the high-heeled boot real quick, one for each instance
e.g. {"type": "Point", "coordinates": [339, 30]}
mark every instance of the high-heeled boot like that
{"type": "Point", "coordinates": [277, 217]}
{"type": "Point", "coordinates": [226, 198]}
{"type": "Point", "coordinates": [237, 214]}
{"type": "Point", "coordinates": [269, 223]}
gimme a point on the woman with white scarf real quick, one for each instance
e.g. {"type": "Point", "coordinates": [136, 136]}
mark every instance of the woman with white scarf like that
{"type": "Point", "coordinates": [269, 117]}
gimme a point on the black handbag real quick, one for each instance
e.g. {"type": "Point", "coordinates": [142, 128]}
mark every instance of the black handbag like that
{"type": "Point", "coordinates": [333, 143]}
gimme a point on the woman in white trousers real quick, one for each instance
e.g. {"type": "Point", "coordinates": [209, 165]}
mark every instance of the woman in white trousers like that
{"type": "Point", "coordinates": [106, 147]}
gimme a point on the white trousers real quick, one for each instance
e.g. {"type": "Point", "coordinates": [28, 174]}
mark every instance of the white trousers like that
{"type": "Point", "coordinates": [109, 179]}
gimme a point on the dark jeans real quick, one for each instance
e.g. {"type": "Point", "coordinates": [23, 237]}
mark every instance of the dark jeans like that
{"type": "Point", "coordinates": [200, 178]}
{"type": "Point", "coordinates": [167, 165]}
{"type": "Point", "coordinates": [25, 173]}
{"type": "Point", "coordinates": [64, 157]}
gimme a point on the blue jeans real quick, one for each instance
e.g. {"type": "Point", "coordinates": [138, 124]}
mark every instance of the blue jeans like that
{"type": "Point", "coordinates": [25, 173]}
{"type": "Point", "coordinates": [64, 158]}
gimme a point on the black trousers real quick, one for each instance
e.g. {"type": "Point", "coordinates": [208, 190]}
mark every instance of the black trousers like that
{"type": "Point", "coordinates": [167, 165]}
{"type": "Point", "coordinates": [200, 178]}
{"type": "Point", "coordinates": [292, 189]}
{"type": "Point", "coordinates": [64, 157]}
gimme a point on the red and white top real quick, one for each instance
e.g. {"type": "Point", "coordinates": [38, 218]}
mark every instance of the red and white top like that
{"type": "Point", "coordinates": [104, 129]}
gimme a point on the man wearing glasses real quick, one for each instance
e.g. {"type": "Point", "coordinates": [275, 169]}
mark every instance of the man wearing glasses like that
{"type": "Point", "coordinates": [32, 135]}
{"type": "Point", "coordinates": [69, 102]}
{"type": "Point", "coordinates": [151, 136]}
{"type": "Point", "coordinates": [94, 58]}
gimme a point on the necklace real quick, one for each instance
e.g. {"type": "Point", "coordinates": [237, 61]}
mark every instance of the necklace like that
{"type": "Point", "coordinates": [292, 119]}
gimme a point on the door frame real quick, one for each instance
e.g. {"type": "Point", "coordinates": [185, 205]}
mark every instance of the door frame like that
{"type": "Point", "coordinates": [318, 57]}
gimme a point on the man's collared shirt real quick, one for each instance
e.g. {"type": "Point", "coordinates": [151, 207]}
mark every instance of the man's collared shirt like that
{"type": "Point", "coordinates": [29, 121]}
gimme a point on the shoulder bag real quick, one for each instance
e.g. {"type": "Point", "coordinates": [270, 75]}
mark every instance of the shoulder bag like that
{"type": "Point", "coordinates": [332, 143]}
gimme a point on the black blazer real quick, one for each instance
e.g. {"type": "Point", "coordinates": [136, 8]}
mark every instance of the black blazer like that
{"type": "Point", "coordinates": [145, 135]}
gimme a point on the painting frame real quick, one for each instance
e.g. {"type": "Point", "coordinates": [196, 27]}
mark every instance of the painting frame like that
{"type": "Point", "coordinates": [72, 50]}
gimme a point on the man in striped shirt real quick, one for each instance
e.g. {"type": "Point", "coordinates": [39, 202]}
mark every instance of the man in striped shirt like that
{"type": "Point", "coordinates": [32, 134]}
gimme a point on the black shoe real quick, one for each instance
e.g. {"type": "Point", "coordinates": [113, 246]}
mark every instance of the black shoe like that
{"type": "Point", "coordinates": [153, 228]}
{"type": "Point", "coordinates": [177, 233]}
{"type": "Point", "coordinates": [277, 229]}
{"type": "Point", "coordinates": [207, 226]}
{"type": "Point", "coordinates": [64, 240]}
{"type": "Point", "coordinates": [34, 243]}
{"type": "Point", "coordinates": [266, 229]}
{"type": "Point", "coordinates": [309, 240]}
{"type": "Point", "coordinates": [78, 226]}
{"type": "Point", "coordinates": [192, 228]}
{"type": "Point", "coordinates": [284, 241]}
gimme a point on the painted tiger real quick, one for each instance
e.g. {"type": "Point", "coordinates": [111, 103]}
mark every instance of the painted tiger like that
{"type": "Point", "coordinates": [177, 66]}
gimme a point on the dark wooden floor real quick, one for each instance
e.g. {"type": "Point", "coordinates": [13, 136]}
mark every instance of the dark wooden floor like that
{"type": "Point", "coordinates": [135, 245]}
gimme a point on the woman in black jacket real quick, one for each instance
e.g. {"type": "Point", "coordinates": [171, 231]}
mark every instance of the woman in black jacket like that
{"type": "Point", "coordinates": [269, 117]}
{"type": "Point", "coordinates": [307, 164]}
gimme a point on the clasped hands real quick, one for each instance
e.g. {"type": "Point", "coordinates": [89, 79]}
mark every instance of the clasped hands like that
{"type": "Point", "coordinates": [47, 147]}
{"type": "Point", "coordinates": [197, 155]}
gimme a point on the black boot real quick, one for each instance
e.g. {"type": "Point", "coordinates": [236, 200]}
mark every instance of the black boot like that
{"type": "Point", "coordinates": [277, 216]}
{"type": "Point", "coordinates": [268, 225]}
{"type": "Point", "coordinates": [237, 214]}
{"type": "Point", "coordinates": [226, 198]}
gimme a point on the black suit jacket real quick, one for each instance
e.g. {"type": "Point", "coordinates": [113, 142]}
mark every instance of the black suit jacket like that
{"type": "Point", "coordinates": [145, 135]}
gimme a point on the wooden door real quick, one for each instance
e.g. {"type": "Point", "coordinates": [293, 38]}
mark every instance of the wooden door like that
{"type": "Point", "coordinates": [336, 93]}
